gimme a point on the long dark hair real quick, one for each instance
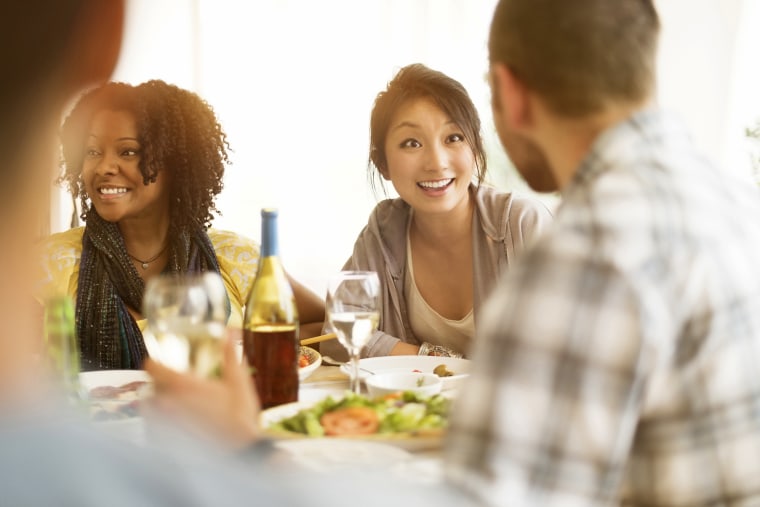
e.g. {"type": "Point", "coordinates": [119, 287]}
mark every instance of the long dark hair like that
{"type": "Point", "coordinates": [417, 81]}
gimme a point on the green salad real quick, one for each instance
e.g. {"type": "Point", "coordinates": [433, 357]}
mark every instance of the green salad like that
{"type": "Point", "coordinates": [355, 414]}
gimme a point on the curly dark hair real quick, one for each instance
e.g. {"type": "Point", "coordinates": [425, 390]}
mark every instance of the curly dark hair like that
{"type": "Point", "coordinates": [178, 132]}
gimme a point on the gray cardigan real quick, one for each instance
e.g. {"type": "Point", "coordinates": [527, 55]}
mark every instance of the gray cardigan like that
{"type": "Point", "coordinates": [503, 225]}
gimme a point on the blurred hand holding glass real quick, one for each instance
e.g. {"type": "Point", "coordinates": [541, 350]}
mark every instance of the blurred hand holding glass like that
{"type": "Point", "coordinates": [353, 303]}
{"type": "Point", "coordinates": [187, 319]}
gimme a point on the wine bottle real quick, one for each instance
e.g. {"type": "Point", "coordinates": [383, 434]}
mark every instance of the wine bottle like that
{"type": "Point", "coordinates": [270, 334]}
{"type": "Point", "coordinates": [61, 343]}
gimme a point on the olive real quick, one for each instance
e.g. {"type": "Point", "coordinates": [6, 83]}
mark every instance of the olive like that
{"type": "Point", "coordinates": [442, 371]}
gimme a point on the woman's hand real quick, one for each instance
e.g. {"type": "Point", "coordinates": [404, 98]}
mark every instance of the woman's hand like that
{"type": "Point", "coordinates": [311, 309]}
{"type": "Point", "coordinates": [405, 349]}
{"type": "Point", "coordinates": [224, 410]}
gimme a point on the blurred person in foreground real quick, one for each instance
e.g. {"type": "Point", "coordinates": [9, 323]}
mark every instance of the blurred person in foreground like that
{"type": "Point", "coordinates": [50, 50]}
{"type": "Point", "coordinates": [617, 364]}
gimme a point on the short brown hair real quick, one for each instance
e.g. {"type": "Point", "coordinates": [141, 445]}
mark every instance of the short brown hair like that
{"type": "Point", "coordinates": [417, 81]}
{"type": "Point", "coordinates": [579, 55]}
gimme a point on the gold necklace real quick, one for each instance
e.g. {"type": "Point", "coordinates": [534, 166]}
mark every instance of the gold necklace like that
{"type": "Point", "coordinates": [145, 264]}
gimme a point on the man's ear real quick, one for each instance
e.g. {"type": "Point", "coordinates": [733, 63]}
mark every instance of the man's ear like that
{"type": "Point", "coordinates": [95, 43]}
{"type": "Point", "coordinates": [510, 97]}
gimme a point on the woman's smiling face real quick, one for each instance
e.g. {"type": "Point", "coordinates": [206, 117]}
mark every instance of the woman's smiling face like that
{"type": "Point", "coordinates": [428, 159]}
{"type": "Point", "coordinates": [111, 172]}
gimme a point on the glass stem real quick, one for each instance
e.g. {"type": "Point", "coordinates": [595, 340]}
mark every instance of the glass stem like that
{"type": "Point", "coordinates": [355, 373]}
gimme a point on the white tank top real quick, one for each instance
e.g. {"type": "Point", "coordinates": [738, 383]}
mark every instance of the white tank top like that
{"type": "Point", "coordinates": [427, 324]}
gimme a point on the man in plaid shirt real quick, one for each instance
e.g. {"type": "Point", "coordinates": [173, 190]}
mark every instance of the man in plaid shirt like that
{"type": "Point", "coordinates": [619, 362]}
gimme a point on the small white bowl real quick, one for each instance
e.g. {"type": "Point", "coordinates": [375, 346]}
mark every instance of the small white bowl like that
{"type": "Point", "coordinates": [423, 384]}
{"type": "Point", "coordinates": [315, 359]}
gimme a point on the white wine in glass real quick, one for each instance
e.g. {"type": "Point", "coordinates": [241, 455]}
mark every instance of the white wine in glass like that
{"type": "Point", "coordinates": [353, 304]}
{"type": "Point", "coordinates": [187, 319]}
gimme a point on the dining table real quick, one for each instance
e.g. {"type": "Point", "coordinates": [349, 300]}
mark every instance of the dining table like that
{"type": "Point", "coordinates": [414, 458]}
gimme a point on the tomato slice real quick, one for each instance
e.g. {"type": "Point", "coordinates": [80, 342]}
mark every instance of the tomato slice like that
{"type": "Point", "coordinates": [350, 421]}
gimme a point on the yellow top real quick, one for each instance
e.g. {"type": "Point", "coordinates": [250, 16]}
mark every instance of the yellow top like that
{"type": "Point", "coordinates": [237, 255]}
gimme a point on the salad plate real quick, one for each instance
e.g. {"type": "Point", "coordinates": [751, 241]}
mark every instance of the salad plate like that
{"type": "Point", "coordinates": [410, 439]}
{"type": "Point", "coordinates": [458, 367]}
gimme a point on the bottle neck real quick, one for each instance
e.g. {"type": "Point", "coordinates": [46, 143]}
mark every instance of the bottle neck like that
{"type": "Point", "coordinates": [269, 246]}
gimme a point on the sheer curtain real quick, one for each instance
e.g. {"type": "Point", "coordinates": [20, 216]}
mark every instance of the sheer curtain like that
{"type": "Point", "coordinates": [293, 83]}
{"type": "Point", "coordinates": [709, 74]}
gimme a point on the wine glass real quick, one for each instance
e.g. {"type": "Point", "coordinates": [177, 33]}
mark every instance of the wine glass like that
{"type": "Point", "coordinates": [187, 320]}
{"type": "Point", "coordinates": [352, 304]}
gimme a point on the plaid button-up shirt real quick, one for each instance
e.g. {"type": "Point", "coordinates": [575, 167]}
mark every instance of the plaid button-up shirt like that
{"type": "Point", "coordinates": [619, 361]}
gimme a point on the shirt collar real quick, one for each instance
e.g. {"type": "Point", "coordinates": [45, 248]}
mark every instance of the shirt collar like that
{"type": "Point", "coordinates": [625, 141]}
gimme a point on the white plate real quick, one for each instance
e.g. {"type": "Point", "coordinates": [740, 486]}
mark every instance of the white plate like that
{"type": "Point", "coordinates": [323, 455]}
{"type": "Point", "coordinates": [460, 367]}
{"type": "Point", "coordinates": [89, 380]}
{"type": "Point", "coordinates": [410, 441]}
{"type": "Point", "coordinates": [130, 429]}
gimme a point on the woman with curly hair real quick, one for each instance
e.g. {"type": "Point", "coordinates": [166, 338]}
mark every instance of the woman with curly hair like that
{"type": "Point", "coordinates": [146, 163]}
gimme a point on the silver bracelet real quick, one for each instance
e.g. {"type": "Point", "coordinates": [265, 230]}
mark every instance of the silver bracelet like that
{"type": "Point", "coordinates": [428, 349]}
